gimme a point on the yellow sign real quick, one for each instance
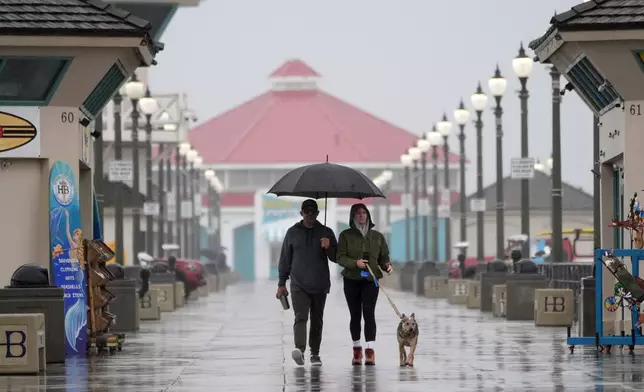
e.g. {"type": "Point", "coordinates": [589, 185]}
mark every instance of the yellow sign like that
{"type": "Point", "coordinates": [15, 132]}
{"type": "Point", "coordinates": [112, 246]}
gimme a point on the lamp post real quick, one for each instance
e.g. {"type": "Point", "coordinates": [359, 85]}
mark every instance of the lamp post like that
{"type": "Point", "coordinates": [196, 206]}
{"type": "Point", "coordinates": [406, 161]}
{"type": "Point", "coordinates": [461, 117]}
{"type": "Point", "coordinates": [479, 102]}
{"type": "Point", "coordinates": [423, 147]}
{"type": "Point", "coordinates": [180, 167]}
{"type": "Point", "coordinates": [148, 107]}
{"type": "Point", "coordinates": [219, 189]}
{"type": "Point", "coordinates": [209, 174]}
{"type": "Point", "coordinates": [435, 139]}
{"type": "Point", "coordinates": [522, 66]}
{"type": "Point", "coordinates": [557, 241]}
{"type": "Point", "coordinates": [444, 127]}
{"type": "Point", "coordinates": [135, 90]}
{"type": "Point", "coordinates": [163, 228]}
{"type": "Point", "coordinates": [497, 85]}
{"type": "Point", "coordinates": [99, 176]}
{"type": "Point", "coordinates": [188, 226]}
{"type": "Point", "coordinates": [414, 153]}
{"type": "Point", "coordinates": [118, 196]}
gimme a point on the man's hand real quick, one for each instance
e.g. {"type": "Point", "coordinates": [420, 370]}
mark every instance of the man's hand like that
{"type": "Point", "coordinates": [281, 291]}
{"type": "Point", "coordinates": [361, 263]}
{"type": "Point", "coordinates": [324, 242]}
{"type": "Point", "coordinates": [388, 268]}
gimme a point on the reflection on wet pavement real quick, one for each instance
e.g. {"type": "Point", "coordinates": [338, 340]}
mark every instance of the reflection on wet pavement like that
{"type": "Point", "coordinates": [241, 341]}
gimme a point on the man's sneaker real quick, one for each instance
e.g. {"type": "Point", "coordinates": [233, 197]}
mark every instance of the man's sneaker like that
{"type": "Point", "coordinates": [298, 356]}
{"type": "Point", "coordinates": [370, 357]}
{"type": "Point", "coordinates": [357, 356]}
{"type": "Point", "coordinates": [315, 360]}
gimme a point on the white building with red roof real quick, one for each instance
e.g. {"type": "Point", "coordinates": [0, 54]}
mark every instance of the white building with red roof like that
{"type": "Point", "coordinates": [296, 123]}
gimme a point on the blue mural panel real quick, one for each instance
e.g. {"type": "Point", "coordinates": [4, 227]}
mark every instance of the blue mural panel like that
{"type": "Point", "coordinates": [67, 259]}
{"type": "Point", "coordinates": [244, 246]}
{"type": "Point", "coordinates": [398, 242]}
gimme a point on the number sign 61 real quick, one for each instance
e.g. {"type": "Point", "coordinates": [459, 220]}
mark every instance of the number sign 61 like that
{"type": "Point", "coordinates": [635, 110]}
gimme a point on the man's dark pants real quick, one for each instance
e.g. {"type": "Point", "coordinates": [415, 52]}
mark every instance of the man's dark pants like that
{"type": "Point", "coordinates": [303, 304]}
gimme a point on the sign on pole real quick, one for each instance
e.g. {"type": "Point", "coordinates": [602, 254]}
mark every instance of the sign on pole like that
{"type": "Point", "coordinates": [477, 205]}
{"type": "Point", "coordinates": [171, 206]}
{"type": "Point", "coordinates": [151, 208]}
{"type": "Point", "coordinates": [522, 168]}
{"type": "Point", "coordinates": [120, 171]}
{"type": "Point", "coordinates": [186, 209]}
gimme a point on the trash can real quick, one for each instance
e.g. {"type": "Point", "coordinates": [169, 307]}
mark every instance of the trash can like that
{"type": "Point", "coordinates": [520, 288]}
{"type": "Point", "coordinates": [428, 268]}
{"type": "Point", "coordinates": [496, 273]}
{"type": "Point", "coordinates": [31, 292]}
{"type": "Point", "coordinates": [125, 305]}
{"type": "Point", "coordinates": [407, 276]}
{"type": "Point", "coordinates": [586, 309]}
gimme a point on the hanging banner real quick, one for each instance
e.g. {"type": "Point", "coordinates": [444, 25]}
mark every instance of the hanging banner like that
{"type": "Point", "coordinates": [67, 259]}
{"type": "Point", "coordinates": [19, 132]}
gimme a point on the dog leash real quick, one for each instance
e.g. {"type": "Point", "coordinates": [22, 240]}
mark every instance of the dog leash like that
{"type": "Point", "coordinates": [384, 292]}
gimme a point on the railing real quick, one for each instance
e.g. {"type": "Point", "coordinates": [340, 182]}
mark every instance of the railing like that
{"type": "Point", "coordinates": [567, 276]}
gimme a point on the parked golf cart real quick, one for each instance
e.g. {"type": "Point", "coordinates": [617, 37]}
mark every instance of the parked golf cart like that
{"type": "Point", "coordinates": [190, 272]}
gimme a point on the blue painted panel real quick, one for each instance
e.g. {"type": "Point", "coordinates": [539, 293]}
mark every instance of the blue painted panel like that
{"type": "Point", "coordinates": [244, 246]}
{"type": "Point", "coordinates": [397, 246]}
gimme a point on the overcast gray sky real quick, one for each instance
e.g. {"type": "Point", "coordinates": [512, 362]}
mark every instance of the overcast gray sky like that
{"type": "Point", "coordinates": [406, 61]}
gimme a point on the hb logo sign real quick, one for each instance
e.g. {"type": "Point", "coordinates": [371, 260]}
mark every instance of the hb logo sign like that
{"type": "Point", "coordinates": [15, 344]}
{"type": "Point", "coordinates": [460, 289]}
{"type": "Point", "coordinates": [163, 296]}
{"type": "Point", "coordinates": [146, 302]}
{"type": "Point", "coordinates": [554, 304]}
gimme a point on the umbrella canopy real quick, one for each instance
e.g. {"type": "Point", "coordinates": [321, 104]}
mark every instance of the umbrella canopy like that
{"type": "Point", "coordinates": [326, 180]}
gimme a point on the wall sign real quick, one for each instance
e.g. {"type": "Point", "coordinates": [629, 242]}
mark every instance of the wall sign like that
{"type": "Point", "coordinates": [19, 132]}
{"type": "Point", "coordinates": [67, 259]}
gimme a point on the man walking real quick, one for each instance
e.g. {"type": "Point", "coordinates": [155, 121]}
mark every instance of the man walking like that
{"type": "Point", "coordinates": [307, 248]}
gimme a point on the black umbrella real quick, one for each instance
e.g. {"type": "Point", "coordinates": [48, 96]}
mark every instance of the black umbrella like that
{"type": "Point", "coordinates": [326, 180]}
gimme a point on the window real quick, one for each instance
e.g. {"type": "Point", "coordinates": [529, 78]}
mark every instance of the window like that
{"type": "Point", "coordinates": [238, 179]}
{"type": "Point", "coordinates": [30, 80]}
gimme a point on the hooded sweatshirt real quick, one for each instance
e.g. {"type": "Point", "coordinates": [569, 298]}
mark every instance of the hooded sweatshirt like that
{"type": "Point", "coordinates": [355, 242]}
{"type": "Point", "coordinates": [303, 259]}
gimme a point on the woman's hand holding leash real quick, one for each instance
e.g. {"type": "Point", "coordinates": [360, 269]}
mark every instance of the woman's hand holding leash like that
{"type": "Point", "coordinates": [362, 264]}
{"type": "Point", "coordinates": [388, 269]}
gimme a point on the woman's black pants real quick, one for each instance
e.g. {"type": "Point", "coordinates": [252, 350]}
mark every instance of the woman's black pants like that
{"type": "Point", "coordinates": [361, 298]}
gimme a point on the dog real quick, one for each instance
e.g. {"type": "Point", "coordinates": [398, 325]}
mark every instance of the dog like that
{"type": "Point", "coordinates": [407, 337]}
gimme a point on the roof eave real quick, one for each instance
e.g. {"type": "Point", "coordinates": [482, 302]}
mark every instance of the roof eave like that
{"type": "Point", "coordinates": [38, 32]}
{"type": "Point", "coordinates": [546, 45]}
{"type": "Point", "coordinates": [601, 27]}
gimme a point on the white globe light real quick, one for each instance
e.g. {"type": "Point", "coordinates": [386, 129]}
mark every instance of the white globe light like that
{"type": "Point", "coordinates": [435, 138]}
{"type": "Point", "coordinates": [549, 162]}
{"type": "Point", "coordinates": [148, 105]}
{"type": "Point", "coordinates": [414, 153]}
{"type": "Point", "coordinates": [209, 174]}
{"type": "Point", "coordinates": [423, 145]}
{"type": "Point", "coordinates": [406, 160]}
{"type": "Point", "coordinates": [198, 161]}
{"type": "Point", "coordinates": [479, 99]}
{"type": "Point", "coordinates": [444, 126]}
{"type": "Point", "coordinates": [184, 148]}
{"type": "Point", "coordinates": [217, 185]}
{"type": "Point", "coordinates": [522, 64]}
{"type": "Point", "coordinates": [191, 155]}
{"type": "Point", "coordinates": [497, 83]}
{"type": "Point", "coordinates": [134, 89]}
{"type": "Point", "coordinates": [378, 181]}
{"type": "Point", "coordinates": [461, 115]}
{"type": "Point", "coordinates": [387, 175]}
{"type": "Point", "coordinates": [539, 166]}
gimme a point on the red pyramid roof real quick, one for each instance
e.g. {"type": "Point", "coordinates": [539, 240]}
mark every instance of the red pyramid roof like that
{"type": "Point", "coordinates": [294, 67]}
{"type": "Point", "coordinates": [299, 127]}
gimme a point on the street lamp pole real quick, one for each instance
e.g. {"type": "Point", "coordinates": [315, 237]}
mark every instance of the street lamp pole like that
{"type": "Point", "coordinates": [169, 237]}
{"type": "Point", "coordinates": [189, 183]}
{"type": "Point", "coordinates": [118, 196]}
{"type": "Point", "coordinates": [445, 128]}
{"type": "Point", "coordinates": [479, 102]}
{"type": "Point", "coordinates": [423, 146]}
{"type": "Point", "coordinates": [406, 161]}
{"type": "Point", "coordinates": [148, 107]}
{"type": "Point", "coordinates": [180, 165]}
{"type": "Point", "coordinates": [522, 66]}
{"type": "Point", "coordinates": [435, 140]}
{"type": "Point", "coordinates": [414, 152]}
{"type": "Point", "coordinates": [461, 117]}
{"type": "Point", "coordinates": [497, 85]}
{"type": "Point", "coordinates": [99, 176]}
{"type": "Point", "coordinates": [135, 90]}
{"type": "Point", "coordinates": [196, 206]}
{"type": "Point", "coordinates": [557, 241]}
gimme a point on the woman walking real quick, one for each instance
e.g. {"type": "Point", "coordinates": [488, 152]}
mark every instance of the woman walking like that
{"type": "Point", "coordinates": [359, 246]}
